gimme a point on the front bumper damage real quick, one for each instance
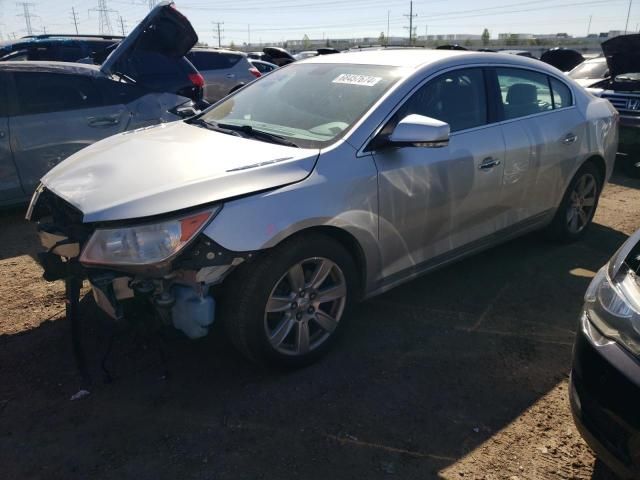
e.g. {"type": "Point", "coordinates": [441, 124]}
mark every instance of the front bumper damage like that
{"type": "Point", "coordinates": [179, 292]}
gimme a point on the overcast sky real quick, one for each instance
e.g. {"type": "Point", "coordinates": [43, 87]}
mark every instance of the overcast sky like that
{"type": "Point", "coordinates": [277, 20]}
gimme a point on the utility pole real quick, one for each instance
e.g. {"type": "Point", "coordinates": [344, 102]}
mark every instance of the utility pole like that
{"type": "Point", "coordinates": [589, 27]}
{"type": "Point", "coordinates": [74, 17]}
{"type": "Point", "coordinates": [104, 19]}
{"type": "Point", "coordinates": [27, 15]}
{"type": "Point", "coordinates": [388, 16]}
{"type": "Point", "coordinates": [411, 17]}
{"type": "Point", "coordinates": [122, 28]}
{"type": "Point", "coordinates": [248, 35]}
{"type": "Point", "coordinates": [219, 34]}
{"type": "Point", "coordinates": [626, 25]}
{"type": "Point", "coordinates": [152, 3]}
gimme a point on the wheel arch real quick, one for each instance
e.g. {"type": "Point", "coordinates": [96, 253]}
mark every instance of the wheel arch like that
{"type": "Point", "coordinates": [600, 164]}
{"type": "Point", "coordinates": [348, 241]}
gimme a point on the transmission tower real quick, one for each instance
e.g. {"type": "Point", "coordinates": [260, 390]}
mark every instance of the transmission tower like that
{"type": "Point", "coordinates": [104, 19]}
{"type": "Point", "coordinates": [26, 9]}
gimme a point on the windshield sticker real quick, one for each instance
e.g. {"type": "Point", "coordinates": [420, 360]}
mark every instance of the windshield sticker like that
{"type": "Point", "coordinates": [353, 79]}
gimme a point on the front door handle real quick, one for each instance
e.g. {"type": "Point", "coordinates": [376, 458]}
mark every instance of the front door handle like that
{"type": "Point", "coordinates": [488, 163]}
{"type": "Point", "coordinates": [103, 121]}
{"type": "Point", "coordinates": [2, 134]}
{"type": "Point", "coordinates": [570, 138]}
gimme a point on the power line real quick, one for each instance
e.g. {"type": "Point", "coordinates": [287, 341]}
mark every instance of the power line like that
{"type": "Point", "coordinates": [219, 34]}
{"type": "Point", "coordinates": [104, 20]}
{"type": "Point", "coordinates": [122, 27]}
{"type": "Point", "coordinates": [411, 17]}
{"type": "Point", "coordinates": [27, 15]}
{"type": "Point", "coordinates": [74, 17]}
{"type": "Point", "coordinates": [626, 25]}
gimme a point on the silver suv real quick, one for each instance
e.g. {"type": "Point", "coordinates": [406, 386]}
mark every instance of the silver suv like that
{"type": "Point", "coordinates": [224, 71]}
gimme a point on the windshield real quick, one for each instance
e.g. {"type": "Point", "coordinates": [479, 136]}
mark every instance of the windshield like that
{"type": "Point", "coordinates": [591, 69]}
{"type": "Point", "coordinates": [311, 104]}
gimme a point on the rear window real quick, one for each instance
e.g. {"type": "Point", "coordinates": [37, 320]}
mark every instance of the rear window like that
{"type": "Point", "coordinates": [213, 60]}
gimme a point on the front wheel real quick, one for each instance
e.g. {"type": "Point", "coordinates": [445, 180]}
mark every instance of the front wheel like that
{"type": "Point", "coordinates": [287, 307]}
{"type": "Point", "coordinates": [574, 216]}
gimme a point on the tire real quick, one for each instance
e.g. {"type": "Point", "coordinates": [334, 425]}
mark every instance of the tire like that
{"type": "Point", "coordinates": [575, 213]}
{"type": "Point", "coordinates": [273, 282]}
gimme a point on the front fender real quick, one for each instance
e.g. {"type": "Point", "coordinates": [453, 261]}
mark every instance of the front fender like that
{"type": "Point", "coordinates": [340, 193]}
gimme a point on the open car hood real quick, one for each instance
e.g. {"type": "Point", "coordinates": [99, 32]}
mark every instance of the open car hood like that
{"type": "Point", "coordinates": [622, 54]}
{"type": "Point", "coordinates": [171, 167]}
{"type": "Point", "coordinates": [164, 31]}
{"type": "Point", "coordinates": [564, 59]}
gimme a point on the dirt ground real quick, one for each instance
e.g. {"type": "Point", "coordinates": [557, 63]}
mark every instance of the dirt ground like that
{"type": "Point", "coordinates": [460, 374]}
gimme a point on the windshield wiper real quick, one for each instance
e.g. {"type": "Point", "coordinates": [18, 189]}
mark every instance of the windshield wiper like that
{"type": "Point", "coordinates": [259, 134]}
{"type": "Point", "coordinates": [213, 126]}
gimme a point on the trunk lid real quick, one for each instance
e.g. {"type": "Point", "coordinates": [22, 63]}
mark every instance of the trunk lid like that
{"type": "Point", "coordinates": [164, 31]}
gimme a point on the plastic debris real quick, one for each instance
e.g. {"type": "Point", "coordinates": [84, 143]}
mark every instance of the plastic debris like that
{"type": "Point", "coordinates": [80, 394]}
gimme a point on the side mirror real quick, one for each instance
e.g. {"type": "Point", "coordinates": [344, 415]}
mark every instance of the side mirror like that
{"type": "Point", "coordinates": [420, 131]}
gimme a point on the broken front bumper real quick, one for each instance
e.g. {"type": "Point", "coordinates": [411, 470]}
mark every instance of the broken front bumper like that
{"type": "Point", "coordinates": [178, 292]}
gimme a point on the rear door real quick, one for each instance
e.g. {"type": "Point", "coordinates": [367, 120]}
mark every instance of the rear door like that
{"type": "Point", "coordinates": [543, 132]}
{"type": "Point", "coordinates": [57, 115]}
{"type": "Point", "coordinates": [10, 189]}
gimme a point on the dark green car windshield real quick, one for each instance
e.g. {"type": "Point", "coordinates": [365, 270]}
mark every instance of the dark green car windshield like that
{"type": "Point", "coordinates": [310, 104]}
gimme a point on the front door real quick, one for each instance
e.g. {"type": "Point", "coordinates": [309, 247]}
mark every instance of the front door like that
{"type": "Point", "coordinates": [434, 201]}
{"type": "Point", "coordinates": [58, 114]}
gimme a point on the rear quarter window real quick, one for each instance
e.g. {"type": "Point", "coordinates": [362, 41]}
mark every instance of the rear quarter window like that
{"type": "Point", "coordinates": [562, 97]}
{"type": "Point", "coordinates": [213, 60]}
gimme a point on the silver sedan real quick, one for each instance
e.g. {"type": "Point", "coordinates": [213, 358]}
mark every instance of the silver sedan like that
{"type": "Point", "coordinates": [326, 182]}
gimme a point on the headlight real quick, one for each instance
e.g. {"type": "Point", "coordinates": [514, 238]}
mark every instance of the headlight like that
{"type": "Point", "coordinates": [144, 244]}
{"type": "Point", "coordinates": [612, 308]}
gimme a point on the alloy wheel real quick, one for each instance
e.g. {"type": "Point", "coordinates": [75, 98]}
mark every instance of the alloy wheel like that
{"type": "Point", "coordinates": [582, 204]}
{"type": "Point", "coordinates": [305, 306]}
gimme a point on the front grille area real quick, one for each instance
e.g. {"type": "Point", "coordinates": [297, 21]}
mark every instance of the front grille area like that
{"type": "Point", "coordinates": [626, 104]}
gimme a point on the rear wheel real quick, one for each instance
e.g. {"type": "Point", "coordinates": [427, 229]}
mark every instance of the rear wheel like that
{"type": "Point", "coordinates": [288, 307]}
{"type": "Point", "coordinates": [578, 206]}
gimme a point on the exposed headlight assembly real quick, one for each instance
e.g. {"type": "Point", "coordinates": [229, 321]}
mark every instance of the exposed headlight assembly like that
{"type": "Point", "coordinates": [613, 299]}
{"type": "Point", "coordinates": [144, 244]}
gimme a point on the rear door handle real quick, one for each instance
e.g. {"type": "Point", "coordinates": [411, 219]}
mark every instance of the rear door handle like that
{"type": "Point", "coordinates": [570, 138]}
{"type": "Point", "coordinates": [103, 121]}
{"type": "Point", "coordinates": [488, 163]}
{"type": "Point", "coordinates": [230, 75]}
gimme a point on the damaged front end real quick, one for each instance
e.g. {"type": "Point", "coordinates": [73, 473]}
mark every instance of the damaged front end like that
{"type": "Point", "coordinates": [165, 266]}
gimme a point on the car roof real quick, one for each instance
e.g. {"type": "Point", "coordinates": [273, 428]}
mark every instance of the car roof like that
{"type": "Point", "coordinates": [51, 67]}
{"type": "Point", "coordinates": [218, 50]}
{"type": "Point", "coordinates": [419, 58]}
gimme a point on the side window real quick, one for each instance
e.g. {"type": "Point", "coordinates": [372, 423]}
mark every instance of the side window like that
{"type": "Point", "coordinates": [561, 94]}
{"type": "Point", "coordinates": [213, 60]}
{"type": "Point", "coordinates": [523, 92]}
{"type": "Point", "coordinates": [50, 92]}
{"type": "Point", "coordinates": [458, 98]}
